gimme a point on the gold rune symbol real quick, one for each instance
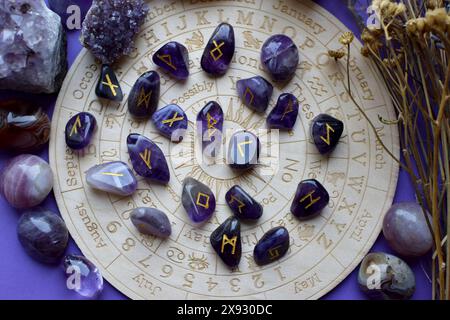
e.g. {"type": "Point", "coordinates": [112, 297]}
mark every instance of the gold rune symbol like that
{"type": "Point", "coordinates": [216, 49]}
{"type": "Point", "coordinates": [211, 124]}
{"type": "Point", "coordinates": [145, 156]}
{"type": "Point", "coordinates": [112, 174]}
{"type": "Point", "coordinates": [241, 144]}
{"type": "Point", "coordinates": [232, 242]}
{"type": "Point", "coordinates": [167, 59]}
{"type": "Point", "coordinates": [241, 204]}
{"type": "Point", "coordinates": [75, 127]}
{"type": "Point", "coordinates": [250, 94]}
{"type": "Point", "coordinates": [175, 118]}
{"type": "Point", "coordinates": [144, 98]}
{"type": "Point", "coordinates": [288, 109]}
{"type": "Point", "coordinates": [201, 196]}
{"type": "Point", "coordinates": [327, 140]}
{"type": "Point", "coordinates": [311, 199]}
{"type": "Point", "coordinates": [273, 252]}
{"type": "Point", "coordinates": [111, 85]}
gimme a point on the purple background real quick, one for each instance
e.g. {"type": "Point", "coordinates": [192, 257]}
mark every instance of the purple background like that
{"type": "Point", "coordinates": [23, 278]}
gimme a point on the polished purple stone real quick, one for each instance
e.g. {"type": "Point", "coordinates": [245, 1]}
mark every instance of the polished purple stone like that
{"type": "Point", "coordinates": [284, 114]}
{"type": "Point", "coordinates": [272, 246]}
{"type": "Point", "coordinates": [151, 221]}
{"type": "Point", "coordinates": [310, 198]}
{"type": "Point", "coordinates": [70, 8]}
{"type": "Point", "coordinates": [198, 200]}
{"type": "Point", "coordinates": [279, 57]}
{"type": "Point", "coordinates": [406, 229]}
{"type": "Point", "coordinates": [79, 130]}
{"type": "Point", "coordinates": [26, 181]}
{"type": "Point", "coordinates": [174, 58]}
{"type": "Point", "coordinates": [243, 150]}
{"type": "Point", "coordinates": [255, 92]}
{"type": "Point", "coordinates": [83, 276]}
{"type": "Point", "coordinates": [242, 204]}
{"type": "Point", "coordinates": [209, 127]}
{"type": "Point", "coordinates": [326, 132]}
{"type": "Point", "coordinates": [144, 96]}
{"type": "Point", "coordinates": [114, 177]}
{"type": "Point", "coordinates": [43, 235]}
{"type": "Point", "coordinates": [171, 121]}
{"type": "Point", "coordinates": [108, 87]}
{"type": "Point", "coordinates": [226, 241]}
{"type": "Point", "coordinates": [147, 158]}
{"type": "Point", "coordinates": [219, 50]}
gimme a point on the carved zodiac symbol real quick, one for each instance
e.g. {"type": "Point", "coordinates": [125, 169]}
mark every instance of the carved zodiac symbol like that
{"type": "Point", "coordinates": [250, 41]}
{"type": "Point", "coordinates": [196, 42]}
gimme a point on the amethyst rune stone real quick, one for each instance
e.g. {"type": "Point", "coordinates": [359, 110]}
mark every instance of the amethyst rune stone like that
{"type": "Point", "coordinates": [242, 204]}
{"type": "Point", "coordinates": [209, 126]}
{"type": "Point", "coordinates": [310, 198]}
{"type": "Point", "coordinates": [219, 51]}
{"type": "Point", "coordinates": [406, 229]}
{"type": "Point", "coordinates": [88, 281]}
{"type": "Point", "coordinates": [174, 58]}
{"type": "Point", "coordinates": [110, 27]}
{"type": "Point", "coordinates": [113, 177]}
{"type": "Point", "coordinates": [198, 200]}
{"type": "Point", "coordinates": [255, 92]}
{"type": "Point", "coordinates": [226, 241]}
{"type": "Point", "coordinates": [108, 87]}
{"type": "Point", "coordinates": [326, 132]}
{"type": "Point", "coordinates": [243, 150]}
{"type": "Point", "coordinates": [151, 221]}
{"type": "Point", "coordinates": [171, 121]}
{"type": "Point", "coordinates": [272, 246]}
{"type": "Point", "coordinates": [279, 57]}
{"type": "Point", "coordinates": [43, 235]}
{"type": "Point", "coordinates": [67, 9]}
{"type": "Point", "coordinates": [79, 130]}
{"type": "Point", "coordinates": [144, 96]}
{"type": "Point", "coordinates": [147, 158]}
{"type": "Point", "coordinates": [26, 181]}
{"type": "Point", "coordinates": [284, 114]}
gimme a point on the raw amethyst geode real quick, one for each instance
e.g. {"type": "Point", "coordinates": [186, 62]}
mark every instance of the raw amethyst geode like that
{"type": "Point", "coordinates": [110, 26]}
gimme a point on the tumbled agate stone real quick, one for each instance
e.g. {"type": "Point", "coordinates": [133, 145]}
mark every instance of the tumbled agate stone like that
{"type": "Point", "coordinates": [151, 221]}
{"type": "Point", "coordinates": [114, 177]}
{"type": "Point", "coordinates": [87, 279]}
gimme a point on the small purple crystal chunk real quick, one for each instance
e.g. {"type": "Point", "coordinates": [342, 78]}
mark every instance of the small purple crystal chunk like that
{"type": "Point", "coordinates": [144, 96]}
{"type": "Point", "coordinates": [209, 126]}
{"type": "Point", "coordinates": [79, 130]}
{"type": "Point", "coordinates": [88, 281]}
{"type": "Point", "coordinates": [326, 132]}
{"type": "Point", "coordinates": [171, 121]}
{"type": "Point", "coordinates": [174, 58]}
{"type": "Point", "coordinates": [151, 221]}
{"type": "Point", "coordinates": [272, 246]}
{"type": "Point", "coordinates": [255, 92]}
{"type": "Point", "coordinates": [310, 198]}
{"type": "Point", "coordinates": [284, 114]}
{"type": "Point", "coordinates": [243, 150]}
{"type": "Point", "coordinates": [219, 51]}
{"type": "Point", "coordinates": [108, 87]}
{"type": "Point", "coordinates": [242, 204]}
{"type": "Point", "coordinates": [279, 57]}
{"type": "Point", "coordinates": [198, 200]}
{"type": "Point", "coordinates": [113, 177]}
{"type": "Point", "coordinates": [147, 158]}
{"type": "Point", "coordinates": [226, 241]}
{"type": "Point", "coordinates": [110, 27]}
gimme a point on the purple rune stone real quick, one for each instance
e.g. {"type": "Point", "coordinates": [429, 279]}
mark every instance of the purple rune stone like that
{"type": "Point", "coordinates": [43, 235]}
{"type": "Point", "coordinates": [147, 158]}
{"type": "Point", "coordinates": [90, 280]}
{"type": "Point", "coordinates": [174, 58]}
{"type": "Point", "coordinates": [243, 150]}
{"type": "Point", "coordinates": [26, 181]}
{"type": "Point", "coordinates": [242, 204]}
{"type": "Point", "coordinates": [326, 132]}
{"type": "Point", "coordinates": [255, 92]}
{"type": "Point", "coordinates": [151, 221]}
{"type": "Point", "coordinates": [79, 130]}
{"type": "Point", "coordinates": [210, 126]}
{"type": "Point", "coordinates": [284, 114]}
{"type": "Point", "coordinates": [272, 246]}
{"type": "Point", "coordinates": [279, 57]}
{"type": "Point", "coordinates": [62, 6]}
{"type": "Point", "coordinates": [108, 87]}
{"type": "Point", "coordinates": [112, 177]}
{"type": "Point", "coordinates": [226, 241]}
{"type": "Point", "coordinates": [310, 198]}
{"type": "Point", "coordinates": [144, 96]}
{"type": "Point", "coordinates": [406, 229]}
{"type": "Point", "coordinates": [219, 51]}
{"type": "Point", "coordinates": [198, 200]}
{"type": "Point", "coordinates": [171, 121]}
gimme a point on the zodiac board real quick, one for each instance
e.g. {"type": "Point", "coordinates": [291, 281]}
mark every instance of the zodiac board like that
{"type": "Point", "coordinates": [359, 175]}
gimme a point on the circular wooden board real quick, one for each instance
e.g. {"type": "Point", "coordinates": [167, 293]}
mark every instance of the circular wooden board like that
{"type": "Point", "coordinates": [359, 175]}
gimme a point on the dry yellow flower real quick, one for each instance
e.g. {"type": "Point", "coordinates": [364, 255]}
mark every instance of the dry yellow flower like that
{"type": "Point", "coordinates": [346, 38]}
{"type": "Point", "coordinates": [336, 54]}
